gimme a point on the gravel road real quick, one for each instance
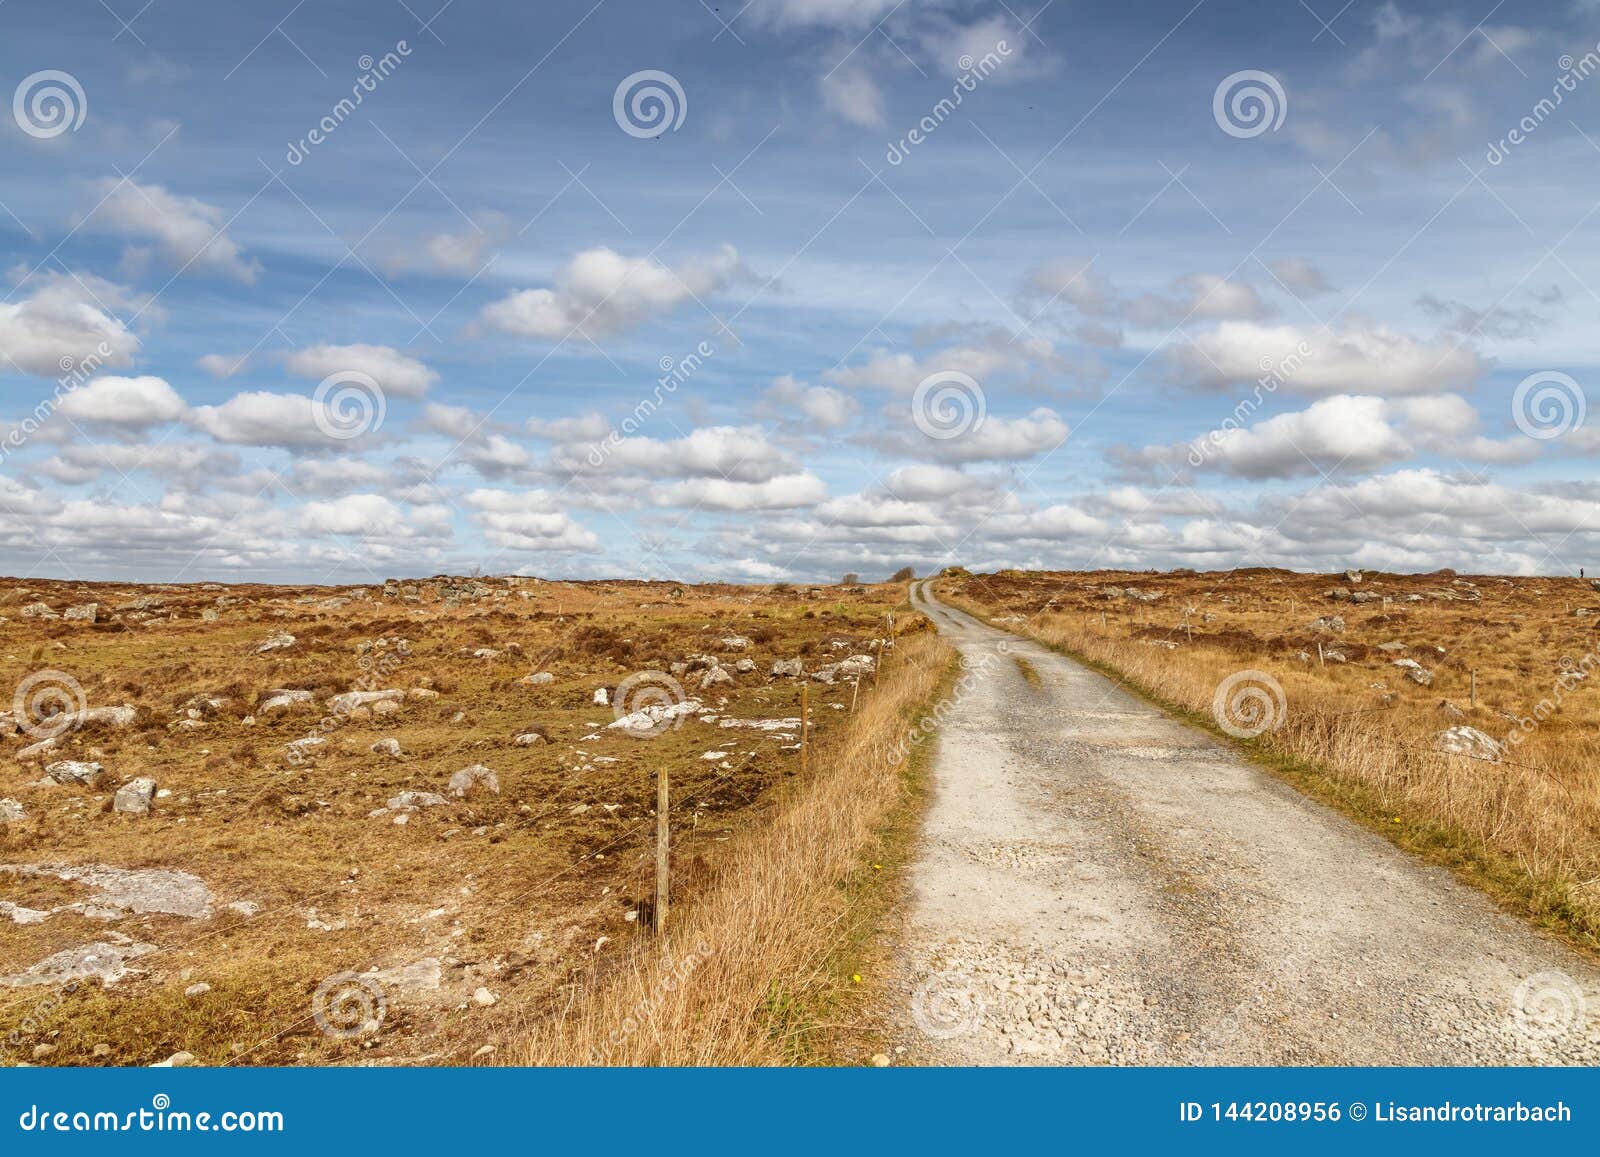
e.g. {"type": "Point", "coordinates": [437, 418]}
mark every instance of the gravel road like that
{"type": "Point", "coordinates": [1101, 884]}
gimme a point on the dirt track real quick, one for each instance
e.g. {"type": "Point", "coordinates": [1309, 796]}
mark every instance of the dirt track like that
{"type": "Point", "coordinates": [1101, 884]}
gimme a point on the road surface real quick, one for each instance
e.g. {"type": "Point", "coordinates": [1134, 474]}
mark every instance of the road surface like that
{"type": "Point", "coordinates": [1101, 884]}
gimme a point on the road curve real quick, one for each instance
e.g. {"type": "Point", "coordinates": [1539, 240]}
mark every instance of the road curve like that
{"type": "Point", "coordinates": [1098, 883]}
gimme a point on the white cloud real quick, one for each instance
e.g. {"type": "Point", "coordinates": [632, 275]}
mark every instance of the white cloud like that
{"type": "Point", "coordinates": [1360, 357]}
{"type": "Point", "coordinates": [188, 232]}
{"type": "Point", "coordinates": [601, 292]}
{"type": "Point", "coordinates": [995, 440]}
{"type": "Point", "coordinates": [733, 453]}
{"type": "Point", "coordinates": [528, 520]}
{"type": "Point", "coordinates": [129, 403]}
{"type": "Point", "coordinates": [784, 492]}
{"type": "Point", "coordinates": [849, 92]}
{"type": "Point", "coordinates": [260, 418]}
{"type": "Point", "coordinates": [222, 365]}
{"type": "Point", "coordinates": [397, 374]}
{"type": "Point", "coordinates": [62, 325]}
{"type": "Point", "coordinates": [821, 407]}
{"type": "Point", "coordinates": [1337, 433]}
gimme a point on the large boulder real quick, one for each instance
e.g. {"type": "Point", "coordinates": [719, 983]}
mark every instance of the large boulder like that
{"type": "Point", "coordinates": [83, 613]}
{"type": "Point", "coordinates": [715, 677]}
{"type": "Point", "coordinates": [790, 668]}
{"type": "Point", "coordinates": [1468, 741]}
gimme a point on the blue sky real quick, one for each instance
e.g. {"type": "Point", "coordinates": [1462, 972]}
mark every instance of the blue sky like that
{"type": "Point", "coordinates": [1095, 313]}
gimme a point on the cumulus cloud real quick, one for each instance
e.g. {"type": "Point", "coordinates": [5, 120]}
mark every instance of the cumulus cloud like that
{"type": "Point", "coordinates": [396, 373]}
{"type": "Point", "coordinates": [600, 292]}
{"type": "Point", "coordinates": [995, 440]}
{"type": "Point", "coordinates": [783, 492]}
{"type": "Point", "coordinates": [732, 453]}
{"type": "Point", "coordinates": [818, 407]}
{"type": "Point", "coordinates": [261, 418]}
{"type": "Point", "coordinates": [130, 404]}
{"type": "Point", "coordinates": [1359, 357]}
{"type": "Point", "coordinates": [62, 324]}
{"type": "Point", "coordinates": [188, 233]}
{"type": "Point", "coordinates": [528, 520]}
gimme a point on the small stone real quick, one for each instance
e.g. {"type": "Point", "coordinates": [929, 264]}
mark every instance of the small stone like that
{"type": "Point", "coordinates": [469, 779]}
{"type": "Point", "coordinates": [387, 747]}
{"type": "Point", "coordinates": [538, 678]}
{"type": "Point", "coordinates": [880, 1060]}
{"type": "Point", "coordinates": [178, 1060]}
{"type": "Point", "coordinates": [40, 1052]}
{"type": "Point", "coordinates": [483, 1052]}
{"type": "Point", "coordinates": [602, 697]}
{"type": "Point", "coordinates": [195, 990]}
{"type": "Point", "coordinates": [483, 998]}
{"type": "Point", "coordinates": [102, 1050]}
{"type": "Point", "coordinates": [10, 811]}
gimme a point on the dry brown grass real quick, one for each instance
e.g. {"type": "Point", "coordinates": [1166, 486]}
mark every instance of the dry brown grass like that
{"type": "Point", "coordinates": [1358, 733]}
{"type": "Point", "coordinates": [742, 973]}
{"type": "Point", "coordinates": [526, 892]}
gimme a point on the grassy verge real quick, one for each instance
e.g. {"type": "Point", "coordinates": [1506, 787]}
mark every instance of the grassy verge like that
{"type": "Point", "coordinates": [754, 972]}
{"type": "Point", "coordinates": [1330, 759]}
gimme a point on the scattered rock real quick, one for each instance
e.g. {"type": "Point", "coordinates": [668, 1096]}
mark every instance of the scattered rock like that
{"type": "Point", "coordinates": [1332, 623]}
{"type": "Point", "coordinates": [483, 998]}
{"type": "Point", "coordinates": [195, 990]}
{"type": "Point", "coordinates": [100, 960]}
{"type": "Point", "coordinates": [531, 739]}
{"type": "Point", "coordinates": [75, 771]}
{"type": "Point", "coordinates": [880, 1060]}
{"type": "Point", "coordinates": [412, 800]}
{"type": "Point", "coordinates": [10, 811]}
{"type": "Point", "coordinates": [38, 611]}
{"type": "Point", "coordinates": [283, 697]}
{"type": "Point", "coordinates": [83, 613]}
{"type": "Point", "coordinates": [1352, 576]}
{"type": "Point", "coordinates": [387, 746]}
{"type": "Point", "coordinates": [1337, 594]}
{"type": "Point", "coordinates": [179, 1060]}
{"type": "Point", "coordinates": [1468, 741]}
{"type": "Point", "coordinates": [602, 697]}
{"type": "Point", "coordinates": [275, 643]}
{"type": "Point", "coordinates": [715, 677]}
{"type": "Point", "coordinates": [37, 750]}
{"type": "Point", "coordinates": [538, 679]}
{"type": "Point", "coordinates": [734, 643]}
{"type": "Point", "coordinates": [464, 782]}
{"type": "Point", "coordinates": [350, 700]}
{"type": "Point", "coordinates": [1393, 646]}
{"type": "Point", "coordinates": [1450, 710]}
{"type": "Point", "coordinates": [745, 666]}
{"type": "Point", "coordinates": [789, 668]}
{"type": "Point", "coordinates": [133, 797]}
{"type": "Point", "coordinates": [422, 693]}
{"type": "Point", "coordinates": [1415, 671]}
{"type": "Point", "coordinates": [654, 716]}
{"type": "Point", "coordinates": [485, 1051]}
{"type": "Point", "coordinates": [118, 891]}
{"type": "Point", "coordinates": [43, 1052]}
{"type": "Point", "coordinates": [855, 667]}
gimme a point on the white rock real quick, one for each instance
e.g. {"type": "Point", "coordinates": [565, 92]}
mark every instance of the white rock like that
{"type": "Point", "coordinates": [411, 800]}
{"type": "Point", "coordinates": [1463, 740]}
{"type": "Point", "coordinates": [74, 771]}
{"type": "Point", "coordinates": [133, 797]}
{"type": "Point", "coordinates": [282, 697]}
{"type": "Point", "coordinates": [10, 811]}
{"type": "Point", "coordinates": [195, 990]}
{"type": "Point", "coordinates": [350, 700]}
{"type": "Point", "coordinates": [793, 668]}
{"type": "Point", "coordinates": [1415, 671]}
{"type": "Point", "coordinates": [602, 697]}
{"type": "Point", "coordinates": [276, 643]}
{"type": "Point", "coordinates": [538, 678]}
{"type": "Point", "coordinates": [654, 716]}
{"type": "Point", "coordinates": [483, 998]}
{"type": "Point", "coordinates": [468, 779]}
{"type": "Point", "coordinates": [388, 746]}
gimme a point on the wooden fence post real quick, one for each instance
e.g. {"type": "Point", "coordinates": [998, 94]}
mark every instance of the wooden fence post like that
{"type": "Point", "coordinates": [662, 869]}
{"type": "Point", "coordinates": [804, 715]}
